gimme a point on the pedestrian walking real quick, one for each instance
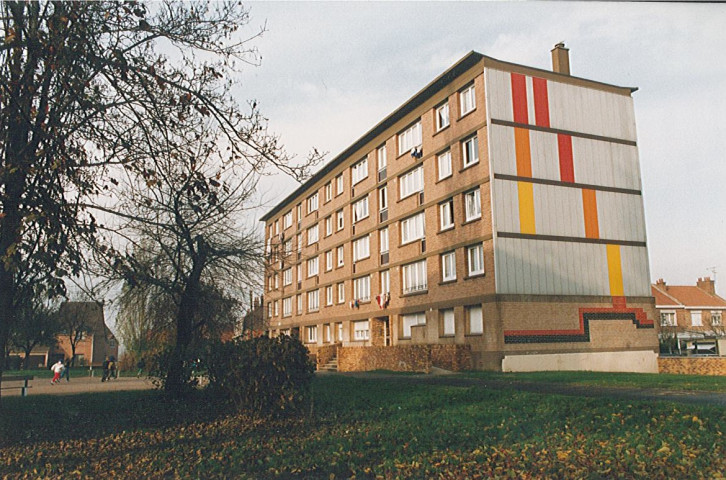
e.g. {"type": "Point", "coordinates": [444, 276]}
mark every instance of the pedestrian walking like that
{"type": "Point", "coordinates": [66, 371]}
{"type": "Point", "coordinates": [105, 370]}
{"type": "Point", "coordinates": [57, 368]}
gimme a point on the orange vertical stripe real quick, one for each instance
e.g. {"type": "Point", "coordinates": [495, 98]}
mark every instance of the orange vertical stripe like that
{"type": "Point", "coordinates": [589, 207]}
{"type": "Point", "coordinates": [522, 152]}
{"type": "Point", "coordinates": [541, 102]}
{"type": "Point", "coordinates": [519, 98]}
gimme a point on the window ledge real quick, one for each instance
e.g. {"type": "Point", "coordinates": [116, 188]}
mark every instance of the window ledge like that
{"type": "Point", "coordinates": [462, 169]}
{"type": "Point", "coordinates": [413, 294]}
{"type": "Point", "coordinates": [477, 275]}
{"type": "Point", "coordinates": [447, 229]}
{"type": "Point", "coordinates": [468, 113]}
{"type": "Point", "coordinates": [451, 335]}
{"type": "Point", "coordinates": [447, 282]}
{"type": "Point", "coordinates": [474, 334]}
{"type": "Point", "coordinates": [442, 129]}
{"type": "Point", "coordinates": [467, 222]}
{"type": "Point", "coordinates": [445, 178]}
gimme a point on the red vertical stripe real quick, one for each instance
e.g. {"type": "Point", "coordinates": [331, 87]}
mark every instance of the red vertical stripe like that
{"type": "Point", "coordinates": [541, 103]}
{"type": "Point", "coordinates": [519, 98]}
{"type": "Point", "coordinates": [567, 168]}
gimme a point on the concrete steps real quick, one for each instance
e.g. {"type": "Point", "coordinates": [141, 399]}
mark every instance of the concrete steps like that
{"type": "Point", "coordinates": [331, 366]}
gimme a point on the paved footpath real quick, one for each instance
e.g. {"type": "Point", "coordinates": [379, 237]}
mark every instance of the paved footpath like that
{"type": "Point", "coordinates": [81, 384]}
{"type": "Point", "coordinates": [626, 393]}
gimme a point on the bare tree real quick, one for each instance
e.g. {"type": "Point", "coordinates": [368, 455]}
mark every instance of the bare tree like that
{"type": "Point", "coordinates": [37, 325]}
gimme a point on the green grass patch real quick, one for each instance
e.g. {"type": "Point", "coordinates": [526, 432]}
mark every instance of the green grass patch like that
{"type": "Point", "coordinates": [363, 427]}
{"type": "Point", "coordinates": [707, 383]}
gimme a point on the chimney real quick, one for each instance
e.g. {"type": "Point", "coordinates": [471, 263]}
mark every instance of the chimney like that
{"type": "Point", "coordinates": [661, 284]}
{"type": "Point", "coordinates": [707, 285]}
{"type": "Point", "coordinates": [561, 59]}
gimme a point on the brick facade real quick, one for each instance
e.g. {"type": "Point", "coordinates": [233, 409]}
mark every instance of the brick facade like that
{"type": "Point", "coordinates": [692, 366]}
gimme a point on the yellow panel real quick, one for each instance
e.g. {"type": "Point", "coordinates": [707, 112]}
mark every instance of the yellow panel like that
{"type": "Point", "coordinates": [526, 207]}
{"type": "Point", "coordinates": [523, 152]}
{"type": "Point", "coordinates": [615, 270]}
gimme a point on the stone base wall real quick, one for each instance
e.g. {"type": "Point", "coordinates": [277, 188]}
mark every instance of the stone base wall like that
{"type": "Point", "coordinates": [634, 361]}
{"type": "Point", "coordinates": [404, 358]}
{"type": "Point", "coordinates": [692, 366]}
{"type": "Point", "coordinates": [325, 354]}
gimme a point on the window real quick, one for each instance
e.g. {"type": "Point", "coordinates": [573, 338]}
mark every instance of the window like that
{"type": "Point", "coordinates": [299, 214]}
{"type": "Point", "coordinates": [313, 202]}
{"type": "Point", "coordinates": [716, 318]}
{"type": "Point", "coordinates": [414, 277]}
{"type": "Point", "coordinates": [475, 259]}
{"type": "Point", "coordinates": [383, 198]}
{"type": "Point", "coordinates": [299, 243]}
{"type": "Point", "coordinates": [668, 319]}
{"type": "Point", "coordinates": [467, 100]}
{"type": "Point", "coordinates": [341, 292]}
{"type": "Point", "coordinates": [312, 267]}
{"type": "Point", "coordinates": [339, 184]}
{"type": "Point", "coordinates": [287, 276]}
{"type": "Point", "coordinates": [340, 332]}
{"type": "Point", "coordinates": [360, 330]}
{"type": "Point", "coordinates": [409, 138]}
{"type": "Point", "coordinates": [442, 116]}
{"type": "Point", "coordinates": [287, 220]}
{"type": "Point", "coordinates": [412, 320]}
{"type": "Point", "coordinates": [287, 307]}
{"type": "Point", "coordinates": [313, 301]}
{"type": "Point", "coordinates": [328, 260]}
{"type": "Point", "coordinates": [328, 226]}
{"type": "Point", "coordinates": [277, 309]}
{"type": "Point", "coordinates": [329, 295]}
{"type": "Point", "coordinates": [362, 288]}
{"type": "Point", "coordinates": [470, 151]}
{"type": "Point", "coordinates": [382, 160]}
{"type": "Point", "coordinates": [413, 228]}
{"type": "Point", "coordinates": [312, 334]}
{"type": "Point", "coordinates": [341, 219]}
{"type": "Point", "coordinates": [327, 335]}
{"type": "Point", "coordinates": [328, 192]}
{"type": "Point", "coordinates": [448, 327]}
{"type": "Point", "coordinates": [385, 281]}
{"type": "Point", "coordinates": [313, 234]}
{"type": "Point", "coordinates": [472, 205]}
{"type": "Point", "coordinates": [269, 309]}
{"type": "Point", "coordinates": [299, 304]}
{"type": "Point", "coordinates": [448, 266]}
{"type": "Point", "coordinates": [359, 171]}
{"type": "Point", "coordinates": [277, 281]}
{"type": "Point", "coordinates": [360, 209]}
{"type": "Point", "coordinates": [383, 240]}
{"type": "Point", "coordinates": [696, 320]}
{"type": "Point", "coordinates": [446, 214]}
{"type": "Point", "coordinates": [475, 319]}
{"type": "Point", "coordinates": [277, 227]}
{"type": "Point", "coordinates": [411, 182]}
{"type": "Point", "coordinates": [299, 272]}
{"type": "Point", "coordinates": [444, 163]}
{"type": "Point", "coordinates": [362, 248]}
{"type": "Point", "coordinates": [341, 256]}
{"type": "Point", "coordinates": [287, 247]}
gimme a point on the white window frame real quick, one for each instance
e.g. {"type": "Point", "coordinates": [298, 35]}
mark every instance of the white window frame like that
{"type": "Point", "coordinates": [383, 240]}
{"type": "Point", "coordinates": [443, 161]}
{"type": "Point", "coordinates": [313, 234]}
{"type": "Point", "coordinates": [470, 151]}
{"type": "Point", "coordinates": [361, 330]}
{"type": "Point", "coordinates": [313, 265]}
{"type": "Point", "coordinates": [475, 319]}
{"type": "Point", "coordinates": [287, 220]}
{"type": "Point", "coordinates": [467, 100]}
{"type": "Point", "coordinates": [442, 116]}
{"type": "Point", "coordinates": [328, 260]}
{"type": "Point", "coordinates": [716, 318]}
{"type": "Point", "coordinates": [411, 182]}
{"type": "Point", "coordinates": [383, 198]}
{"type": "Point", "coordinates": [312, 202]}
{"type": "Point", "coordinates": [328, 225]}
{"type": "Point", "coordinates": [287, 247]}
{"type": "Point", "coordinates": [382, 157]}
{"type": "Point", "coordinates": [412, 320]}
{"type": "Point", "coordinates": [341, 292]}
{"type": "Point", "coordinates": [448, 322]}
{"type": "Point", "coordinates": [329, 295]}
{"type": "Point", "coordinates": [298, 269]}
{"type": "Point", "coordinates": [446, 214]}
{"type": "Point", "coordinates": [287, 277]}
{"type": "Point", "coordinates": [385, 281]}
{"type": "Point", "coordinates": [362, 248]}
{"type": "Point", "coordinates": [359, 171]}
{"type": "Point", "coordinates": [287, 307]}
{"type": "Point", "coordinates": [475, 259]}
{"type": "Point", "coordinates": [448, 266]}
{"type": "Point", "coordinates": [360, 209]}
{"type": "Point", "coordinates": [277, 307]}
{"type": "Point", "coordinates": [339, 184]}
{"type": "Point", "coordinates": [410, 138]}
{"type": "Point", "coordinates": [340, 220]}
{"type": "Point", "coordinates": [340, 253]}
{"type": "Point", "coordinates": [311, 333]}
{"type": "Point", "coordinates": [696, 318]}
{"type": "Point", "coordinates": [413, 228]}
{"type": "Point", "coordinates": [299, 301]}
{"type": "Point", "coordinates": [415, 277]}
{"type": "Point", "coordinates": [362, 288]}
{"type": "Point", "coordinates": [314, 300]}
{"type": "Point", "coordinates": [668, 318]}
{"type": "Point", "coordinates": [472, 205]}
{"type": "Point", "coordinates": [328, 191]}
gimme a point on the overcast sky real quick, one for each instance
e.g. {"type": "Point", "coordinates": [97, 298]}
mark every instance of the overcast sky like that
{"type": "Point", "coordinates": [331, 71]}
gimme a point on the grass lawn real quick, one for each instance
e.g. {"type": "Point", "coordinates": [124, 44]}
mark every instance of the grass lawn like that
{"type": "Point", "coordinates": [365, 428]}
{"type": "Point", "coordinates": [708, 383]}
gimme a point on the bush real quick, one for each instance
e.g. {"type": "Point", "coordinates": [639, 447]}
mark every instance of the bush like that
{"type": "Point", "coordinates": [261, 375]}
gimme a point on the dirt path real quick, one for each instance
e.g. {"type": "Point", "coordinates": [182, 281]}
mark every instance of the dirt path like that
{"type": "Point", "coordinates": [84, 384]}
{"type": "Point", "coordinates": [630, 393]}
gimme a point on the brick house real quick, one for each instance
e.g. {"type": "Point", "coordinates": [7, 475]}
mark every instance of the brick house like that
{"type": "Point", "coordinates": [691, 317]}
{"type": "Point", "coordinates": [494, 220]}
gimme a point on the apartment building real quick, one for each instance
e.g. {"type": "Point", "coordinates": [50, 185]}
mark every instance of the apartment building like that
{"type": "Point", "coordinates": [499, 209]}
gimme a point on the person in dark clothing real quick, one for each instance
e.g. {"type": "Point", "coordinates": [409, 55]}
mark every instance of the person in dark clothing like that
{"type": "Point", "coordinates": [67, 371]}
{"type": "Point", "coordinates": [105, 369]}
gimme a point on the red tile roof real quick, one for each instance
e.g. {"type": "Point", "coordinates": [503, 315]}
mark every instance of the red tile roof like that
{"type": "Point", "coordinates": [685, 296]}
